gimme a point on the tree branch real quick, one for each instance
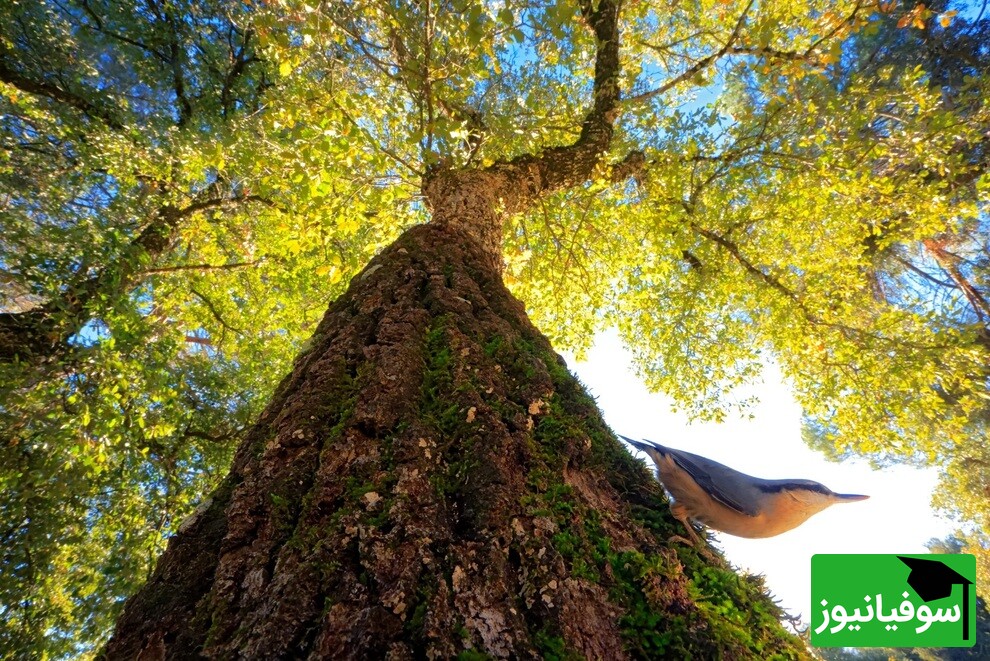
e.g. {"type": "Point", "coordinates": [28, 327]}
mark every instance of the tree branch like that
{"type": "Point", "coordinates": [772, 53]}
{"type": "Point", "coordinates": [633, 166]}
{"type": "Point", "coordinates": [949, 263]}
{"type": "Point", "coordinates": [926, 276]}
{"type": "Point", "coordinates": [43, 331]}
{"type": "Point", "coordinates": [697, 67]}
{"type": "Point", "coordinates": [221, 437]}
{"type": "Point", "coordinates": [385, 150]}
{"type": "Point", "coordinates": [478, 200]}
{"type": "Point", "coordinates": [199, 267]}
{"type": "Point", "coordinates": [51, 91]}
{"type": "Point", "coordinates": [751, 268]}
{"type": "Point", "coordinates": [214, 311]}
{"type": "Point", "coordinates": [175, 56]}
{"type": "Point", "coordinates": [518, 183]}
{"type": "Point", "coordinates": [812, 318]}
{"type": "Point", "coordinates": [241, 59]}
{"type": "Point", "coordinates": [99, 27]}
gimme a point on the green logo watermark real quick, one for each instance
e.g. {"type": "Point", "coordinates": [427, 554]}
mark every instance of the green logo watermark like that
{"type": "Point", "coordinates": [893, 600]}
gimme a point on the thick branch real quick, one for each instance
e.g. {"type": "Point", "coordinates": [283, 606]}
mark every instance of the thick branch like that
{"type": "Point", "coordinates": [514, 185]}
{"type": "Point", "coordinates": [26, 334]}
{"type": "Point", "coordinates": [51, 91]}
{"type": "Point", "coordinates": [178, 77]}
{"type": "Point", "coordinates": [949, 263]}
{"type": "Point", "coordinates": [478, 199]}
{"type": "Point", "coordinates": [42, 332]}
{"type": "Point", "coordinates": [531, 176]}
{"type": "Point", "coordinates": [242, 57]}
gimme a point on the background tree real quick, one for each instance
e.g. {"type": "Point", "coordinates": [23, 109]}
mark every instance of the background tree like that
{"type": "Point", "coordinates": [943, 272]}
{"type": "Point", "coordinates": [149, 293]}
{"type": "Point", "coordinates": [188, 184]}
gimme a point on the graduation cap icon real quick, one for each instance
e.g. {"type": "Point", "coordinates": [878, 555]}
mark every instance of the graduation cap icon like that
{"type": "Point", "coordinates": [933, 579]}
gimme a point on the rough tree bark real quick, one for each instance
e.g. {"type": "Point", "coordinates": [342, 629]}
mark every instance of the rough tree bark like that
{"type": "Point", "coordinates": [429, 482]}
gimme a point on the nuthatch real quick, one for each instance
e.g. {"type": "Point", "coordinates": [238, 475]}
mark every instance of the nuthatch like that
{"type": "Point", "coordinates": [733, 502]}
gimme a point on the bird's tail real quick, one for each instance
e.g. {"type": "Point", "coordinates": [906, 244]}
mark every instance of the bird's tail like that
{"type": "Point", "coordinates": [639, 445]}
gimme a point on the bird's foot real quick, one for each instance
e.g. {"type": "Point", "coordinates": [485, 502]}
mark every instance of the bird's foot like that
{"type": "Point", "coordinates": [681, 514]}
{"type": "Point", "coordinates": [698, 545]}
{"type": "Point", "coordinates": [681, 540]}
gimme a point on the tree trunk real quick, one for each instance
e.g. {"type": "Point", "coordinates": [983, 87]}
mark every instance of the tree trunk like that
{"type": "Point", "coordinates": [431, 482]}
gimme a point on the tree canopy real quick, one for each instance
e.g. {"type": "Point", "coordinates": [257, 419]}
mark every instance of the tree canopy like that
{"type": "Point", "coordinates": [185, 185]}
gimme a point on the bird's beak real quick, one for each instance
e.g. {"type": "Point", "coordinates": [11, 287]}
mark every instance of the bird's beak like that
{"type": "Point", "coordinates": [849, 497]}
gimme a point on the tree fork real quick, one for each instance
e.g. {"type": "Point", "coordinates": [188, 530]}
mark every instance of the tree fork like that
{"type": "Point", "coordinates": [430, 479]}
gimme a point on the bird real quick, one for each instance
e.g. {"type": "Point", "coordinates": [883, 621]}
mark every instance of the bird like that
{"type": "Point", "coordinates": [725, 499]}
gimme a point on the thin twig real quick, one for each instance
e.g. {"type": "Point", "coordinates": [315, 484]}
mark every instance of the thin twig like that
{"type": "Point", "coordinates": [696, 67]}
{"type": "Point", "coordinates": [215, 312]}
{"type": "Point", "coordinates": [199, 267]}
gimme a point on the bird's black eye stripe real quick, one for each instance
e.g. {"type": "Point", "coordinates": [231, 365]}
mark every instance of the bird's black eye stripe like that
{"type": "Point", "coordinates": [777, 487]}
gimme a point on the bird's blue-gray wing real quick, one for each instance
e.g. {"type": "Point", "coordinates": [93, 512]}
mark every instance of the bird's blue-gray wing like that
{"type": "Point", "coordinates": [728, 486]}
{"type": "Point", "coordinates": [735, 490]}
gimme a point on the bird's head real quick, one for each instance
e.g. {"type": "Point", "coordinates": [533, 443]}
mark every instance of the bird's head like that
{"type": "Point", "coordinates": [814, 496]}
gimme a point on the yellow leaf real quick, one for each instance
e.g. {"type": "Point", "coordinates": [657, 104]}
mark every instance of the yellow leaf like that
{"type": "Point", "coordinates": [285, 68]}
{"type": "Point", "coordinates": [915, 17]}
